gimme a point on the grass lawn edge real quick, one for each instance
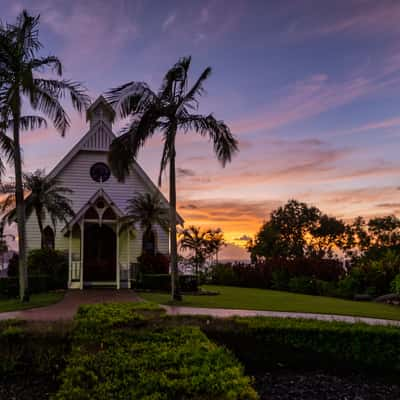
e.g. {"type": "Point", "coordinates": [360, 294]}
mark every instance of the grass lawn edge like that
{"type": "Point", "coordinates": [37, 301]}
{"type": "Point", "coordinates": [361, 309]}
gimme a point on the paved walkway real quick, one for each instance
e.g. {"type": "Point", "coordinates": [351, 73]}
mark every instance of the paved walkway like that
{"type": "Point", "coordinates": [226, 313]}
{"type": "Point", "coordinates": [68, 306]}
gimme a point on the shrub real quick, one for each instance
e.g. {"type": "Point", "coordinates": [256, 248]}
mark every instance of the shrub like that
{"type": "Point", "coordinates": [395, 285]}
{"type": "Point", "coordinates": [302, 284]}
{"type": "Point", "coordinates": [302, 343]}
{"type": "Point", "coordinates": [325, 288]}
{"type": "Point", "coordinates": [280, 279]}
{"type": "Point", "coordinates": [9, 287]}
{"type": "Point", "coordinates": [168, 363]}
{"type": "Point", "coordinates": [224, 274]}
{"type": "Point", "coordinates": [378, 268]}
{"type": "Point", "coordinates": [49, 262]}
{"type": "Point", "coordinates": [154, 264]}
{"type": "Point", "coordinates": [32, 351]}
{"type": "Point", "coordinates": [276, 273]}
{"type": "Point", "coordinates": [12, 269]}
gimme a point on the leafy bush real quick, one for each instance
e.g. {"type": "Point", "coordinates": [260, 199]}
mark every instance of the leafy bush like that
{"type": "Point", "coordinates": [13, 265]}
{"type": "Point", "coordinates": [153, 264]}
{"type": "Point", "coordinates": [276, 273]}
{"type": "Point", "coordinates": [9, 287]}
{"type": "Point", "coordinates": [325, 288]}
{"type": "Point", "coordinates": [169, 363]}
{"type": "Point", "coordinates": [302, 284]}
{"type": "Point", "coordinates": [49, 262]}
{"type": "Point", "coordinates": [395, 285]}
{"type": "Point", "coordinates": [377, 269]}
{"type": "Point", "coordinates": [302, 343]}
{"type": "Point", "coordinates": [24, 350]}
{"type": "Point", "coordinates": [280, 279]}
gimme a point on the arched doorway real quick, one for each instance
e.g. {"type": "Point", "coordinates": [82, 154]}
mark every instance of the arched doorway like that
{"type": "Point", "coordinates": [48, 238]}
{"type": "Point", "coordinates": [149, 243]}
{"type": "Point", "coordinates": [100, 253]}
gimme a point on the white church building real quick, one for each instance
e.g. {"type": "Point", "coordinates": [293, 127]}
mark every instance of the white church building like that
{"type": "Point", "coordinates": [98, 252]}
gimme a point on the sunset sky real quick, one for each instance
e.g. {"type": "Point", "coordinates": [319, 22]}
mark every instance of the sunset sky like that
{"type": "Point", "coordinates": [310, 88]}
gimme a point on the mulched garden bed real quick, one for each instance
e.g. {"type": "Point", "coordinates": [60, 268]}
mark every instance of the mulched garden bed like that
{"type": "Point", "coordinates": [289, 385]}
{"type": "Point", "coordinates": [27, 387]}
{"type": "Point", "coordinates": [271, 385]}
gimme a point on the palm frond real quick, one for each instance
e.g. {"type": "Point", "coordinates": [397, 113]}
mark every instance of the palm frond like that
{"type": "Point", "coordinates": [121, 157]}
{"type": "Point", "coordinates": [130, 98]}
{"type": "Point", "coordinates": [46, 102]}
{"type": "Point", "coordinates": [197, 90]}
{"type": "Point", "coordinates": [225, 143]}
{"type": "Point", "coordinates": [124, 149]}
{"type": "Point", "coordinates": [175, 80]}
{"type": "Point", "coordinates": [50, 61]}
{"type": "Point", "coordinates": [7, 146]}
{"type": "Point", "coordinates": [60, 88]}
{"type": "Point", "coordinates": [29, 122]}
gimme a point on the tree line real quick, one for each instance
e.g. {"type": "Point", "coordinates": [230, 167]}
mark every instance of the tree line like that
{"type": "Point", "coordinates": [298, 230]}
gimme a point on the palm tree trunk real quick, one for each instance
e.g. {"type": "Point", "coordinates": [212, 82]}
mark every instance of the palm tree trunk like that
{"type": "Point", "coordinates": [175, 293]}
{"type": "Point", "coordinates": [20, 206]}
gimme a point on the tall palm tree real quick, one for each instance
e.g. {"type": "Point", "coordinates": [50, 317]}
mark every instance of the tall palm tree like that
{"type": "Point", "coordinates": [19, 63]}
{"type": "Point", "coordinates": [46, 197]}
{"type": "Point", "coordinates": [171, 109]}
{"type": "Point", "coordinates": [146, 210]}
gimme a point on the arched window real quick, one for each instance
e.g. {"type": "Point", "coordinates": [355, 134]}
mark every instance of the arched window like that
{"type": "Point", "coordinates": [109, 214]}
{"type": "Point", "coordinates": [48, 238]}
{"type": "Point", "coordinates": [91, 214]}
{"type": "Point", "coordinates": [149, 243]}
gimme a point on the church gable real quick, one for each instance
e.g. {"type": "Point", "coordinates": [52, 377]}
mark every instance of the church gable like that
{"type": "Point", "coordinates": [74, 169]}
{"type": "Point", "coordinates": [99, 138]}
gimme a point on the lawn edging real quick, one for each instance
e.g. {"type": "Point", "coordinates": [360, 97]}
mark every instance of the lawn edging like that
{"type": "Point", "coordinates": [272, 300]}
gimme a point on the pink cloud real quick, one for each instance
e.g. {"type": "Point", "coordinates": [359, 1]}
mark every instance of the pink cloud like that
{"type": "Point", "coordinates": [310, 97]}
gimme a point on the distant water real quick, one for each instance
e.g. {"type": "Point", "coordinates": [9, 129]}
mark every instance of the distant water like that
{"type": "Point", "coordinates": [232, 260]}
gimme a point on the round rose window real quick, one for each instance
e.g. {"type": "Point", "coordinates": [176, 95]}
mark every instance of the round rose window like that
{"type": "Point", "coordinates": [100, 172]}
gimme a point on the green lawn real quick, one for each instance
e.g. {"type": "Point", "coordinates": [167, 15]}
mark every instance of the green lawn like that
{"type": "Point", "coordinates": [37, 300]}
{"type": "Point", "coordinates": [272, 300]}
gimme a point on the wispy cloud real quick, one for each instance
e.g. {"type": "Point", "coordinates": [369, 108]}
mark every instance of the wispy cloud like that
{"type": "Point", "coordinates": [168, 21]}
{"type": "Point", "coordinates": [310, 97]}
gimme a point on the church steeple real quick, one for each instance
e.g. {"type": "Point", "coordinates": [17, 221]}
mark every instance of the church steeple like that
{"type": "Point", "coordinates": [100, 110]}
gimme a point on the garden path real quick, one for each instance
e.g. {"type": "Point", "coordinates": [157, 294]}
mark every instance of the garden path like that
{"type": "Point", "coordinates": [67, 307]}
{"type": "Point", "coordinates": [226, 313]}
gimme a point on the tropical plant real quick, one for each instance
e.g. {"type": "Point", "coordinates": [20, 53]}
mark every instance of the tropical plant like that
{"type": "Point", "coordinates": [199, 242]}
{"type": "Point", "coordinates": [167, 111]}
{"type": "Point", "coordinates": [19, 64]}
{"type": "Point", "coordinates": [46, 196]}
{"type": "Point", "coordinates": [146, 210]}
{"type": "Point", "coordinates": [216, 242]}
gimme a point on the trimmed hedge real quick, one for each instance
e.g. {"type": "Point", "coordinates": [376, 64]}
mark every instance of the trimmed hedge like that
{"type": "Point", "coordinates": [49, 262]}
{"type": "Point", "coordinates": [276, 273]}
{"type": "Point", "coordinates": [151, 363]}
{"type": "Point", "coordinates": [309, 344]}
{"type": "Point", "coordinates": [9, 287]}
{"type": "Point", "coordinates": [24, 350]}
{"type": "Point", "coordinates": [188, 283]}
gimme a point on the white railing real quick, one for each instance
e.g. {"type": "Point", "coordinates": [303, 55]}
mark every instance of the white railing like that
{"type": "Point", "coordinates": [75, 271]}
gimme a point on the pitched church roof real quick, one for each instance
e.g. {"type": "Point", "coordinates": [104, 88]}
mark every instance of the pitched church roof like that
{"type": "Point", "coordinates": [98, 139]}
